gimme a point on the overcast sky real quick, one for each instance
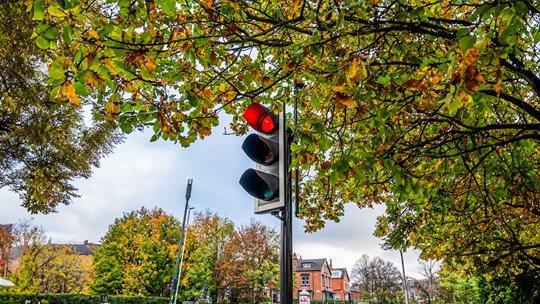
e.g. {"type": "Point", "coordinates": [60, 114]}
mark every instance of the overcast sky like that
{"type": "Point", "coordinates": [140, 173]}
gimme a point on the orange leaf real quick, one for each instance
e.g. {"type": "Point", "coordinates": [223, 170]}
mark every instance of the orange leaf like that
{"type": "Point", "coordinates": [414, 84]}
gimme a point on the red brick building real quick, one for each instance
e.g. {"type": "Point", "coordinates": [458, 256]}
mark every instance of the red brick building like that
{"type": "Point", "coordinates": [341, 284]}
{"type": "Point", "coordinates": [317, 277]}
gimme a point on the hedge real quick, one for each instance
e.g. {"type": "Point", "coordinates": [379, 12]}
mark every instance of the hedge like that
{"type": "Point", "coordinates": [54, 298]}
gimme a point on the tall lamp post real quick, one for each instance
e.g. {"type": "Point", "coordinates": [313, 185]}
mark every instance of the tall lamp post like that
{"type": "Point", "coordinates": [182, 258]}
{"type": "Point", "coordinates": [404, 278]}
{"type": "Point", "coordinates": [176, 277]}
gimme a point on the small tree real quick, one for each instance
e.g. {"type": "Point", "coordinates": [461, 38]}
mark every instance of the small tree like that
{"type": "Point", "coordinates": [137, 254]}
{"type": "Point", "coordinates": [250, 262]}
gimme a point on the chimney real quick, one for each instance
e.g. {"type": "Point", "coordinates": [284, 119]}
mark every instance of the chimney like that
{"type": "Point", "coordinates": [85, 242]}
{"type": "Point", "coordinates": [331, 267]}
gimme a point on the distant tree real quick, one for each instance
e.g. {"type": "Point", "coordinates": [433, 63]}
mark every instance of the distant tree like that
{"type": "Point", "coordinates": [250, 262]}
{"type": "Point", "coordinates": [46, 267]}
{"type": "Point", "coordinates": [6, 242]}
{"type": "Point", "coordinates": [137, 254]}
{"type": "Point", "coordinates": [428, 287]}
{"type": "Point", "coordinates": [378, 280]}
{"type": "Point", "coordinates": [63, 270]}
{"type": "Point", "coordinates": [459, 288]}
{"type": "Point", "coordinates": [44, 145]}
{"type": "Point", "coordinates": [208, 237]}
{"type": "Point", "coordinates": [31, 241]}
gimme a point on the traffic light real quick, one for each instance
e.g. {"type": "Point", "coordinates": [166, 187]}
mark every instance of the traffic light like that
{"type": "Point", "coordinates": [268, 149]}
{"type": "Point", "coordinates": [228, 291]}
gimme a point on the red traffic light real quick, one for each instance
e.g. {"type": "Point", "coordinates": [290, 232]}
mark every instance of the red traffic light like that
{"type": "Point", "coordinates": [261, 119]}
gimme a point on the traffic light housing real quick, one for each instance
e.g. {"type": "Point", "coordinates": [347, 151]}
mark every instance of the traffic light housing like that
{"type": "Point", "coordinates": [268, 149]}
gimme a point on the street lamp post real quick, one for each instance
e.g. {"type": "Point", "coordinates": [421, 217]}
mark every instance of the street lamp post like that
{"type": "Point", "coordinates": [176, 277]}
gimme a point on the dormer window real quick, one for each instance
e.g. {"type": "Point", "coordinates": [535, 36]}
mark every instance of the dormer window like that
{"type": "Point", "coordinates": [306, 265]}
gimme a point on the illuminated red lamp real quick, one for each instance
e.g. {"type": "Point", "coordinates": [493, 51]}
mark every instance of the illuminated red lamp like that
{"type": "Point", "coordinates": [261, 119]}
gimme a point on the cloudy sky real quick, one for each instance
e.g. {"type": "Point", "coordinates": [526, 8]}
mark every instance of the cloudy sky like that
{"type": "Point", "coordinates": [141, 173]}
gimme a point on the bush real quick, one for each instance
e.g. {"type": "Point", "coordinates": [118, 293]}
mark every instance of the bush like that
{"type": "Point", "coordinates": [52, 298]}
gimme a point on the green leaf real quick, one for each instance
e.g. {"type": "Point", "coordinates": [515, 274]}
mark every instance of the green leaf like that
{"type": "Point", "coordinates": [39, 10]}
{"type": "Point", "coordinates": [467, 42]}
{"type": "Point", "coordinates": [168, 6]}
{"type": "Point", "coordinates": [80, 88]}
{"type": "Point", "coordinates": [68, 33]}
{"type": "Point", "coordinates": [509, 31]}
{"type": "Point", "coordinates": [384, 80]}
{"type": "Point", "coordinates": [42, 43]}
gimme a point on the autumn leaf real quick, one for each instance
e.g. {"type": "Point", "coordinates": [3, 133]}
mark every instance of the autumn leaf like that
{"type": "Point", "coordinates": [414, 84]}
{"type": "Point", "coordinates": [295, 6]}
{"type": "Point", "coordinates": [267, 81]}
{"type": "Point", "coordinates": [67, 91]}
{"type": "Point", "coordinates": [343, 99]}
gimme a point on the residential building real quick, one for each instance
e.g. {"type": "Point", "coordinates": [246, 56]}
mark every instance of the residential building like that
{"type": "Point", "coordinates": [341, 283]}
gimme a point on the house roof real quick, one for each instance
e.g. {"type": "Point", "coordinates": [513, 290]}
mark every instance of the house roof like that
{"type": "Point", "coordinates": [311, 265]}
{"type": "Point", "coordinates": [339, 273]}
{"type": "Point", "coordinates": [81, 249]}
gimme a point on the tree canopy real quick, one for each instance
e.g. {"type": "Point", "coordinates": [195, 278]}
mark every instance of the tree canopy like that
{"type": "Point", "coordinates": [137, 254]}
{"type": "Point", "coordinates": [430, 107]}
{"type": "Point", "coordinates": [44, 146]}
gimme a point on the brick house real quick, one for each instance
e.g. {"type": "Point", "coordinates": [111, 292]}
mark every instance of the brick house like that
{"type": "Point", "coordinates": [341, 283]}
{"type": "Point", "coordinates": [317, 277]}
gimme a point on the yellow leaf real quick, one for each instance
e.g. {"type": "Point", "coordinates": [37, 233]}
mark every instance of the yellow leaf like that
{"type": "Point", "coordinates": [67, 91]}
{"type": "Point", "coordinates": [295, 6]}
{"type": "Point", "coordinates": [352, 70]}
{"type": "Point", "coordinates": [150, 64]}
{"type": "Point", "coordinates": [223, 87]}
{"type": "Point", "coordinates": [363, 69]}
{"type": "Point", "coordinates": [267, 81]}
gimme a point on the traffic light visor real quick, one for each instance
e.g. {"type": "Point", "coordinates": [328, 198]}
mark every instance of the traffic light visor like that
{"type": "Point", "coordinates": [261, 119]}
{"type": "Point", "coordinates": [260, 185]}
{"type": "Point", "coordinates": [261, 150]}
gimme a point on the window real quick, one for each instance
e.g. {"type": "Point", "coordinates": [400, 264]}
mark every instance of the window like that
{"type": "Point", "coordinates": [305, 279]}
{"type": "Point", "coordinates": [306, 265]}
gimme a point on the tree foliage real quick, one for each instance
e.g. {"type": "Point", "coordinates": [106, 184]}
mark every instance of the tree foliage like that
{"type": "Point", "coordinates": [208, 236]}
{"type": "Point", "coordinates": [379, 281]}
{"type": "Point", "coordinates": [249, 262]}
{"type": "Point", "coordinates": [43, 266]}
{"type": "Point", "coordinates": [44, 146]}
{"type": "Point", "coordinates": [137, 255]}
{"type": "Point", "coordinates": [430, 107]}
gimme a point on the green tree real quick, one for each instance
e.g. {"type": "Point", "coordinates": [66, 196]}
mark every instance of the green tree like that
{"type": "Point", "coordinates": [44, 145]}
{"type": "Point", "coordinates": [208, 237]}
{"type": "Point", "coordinates": [459, 288]}
{"type": "Point", "coordinates": [250, 262]}
{"type": "Point", "coordinates": [34, 254]}
{"type": "Point", "coordinates": [430, 107]}
{"type": "Point", "coordinates": [45, 267]}
{"type": "Point", "coordinates": [137, 254]}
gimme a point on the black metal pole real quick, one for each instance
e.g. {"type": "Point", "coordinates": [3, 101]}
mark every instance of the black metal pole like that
{"type": "Point", "coordinates": [286, 271]}
{"type": "Point", "coordinates": [174, 285]}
